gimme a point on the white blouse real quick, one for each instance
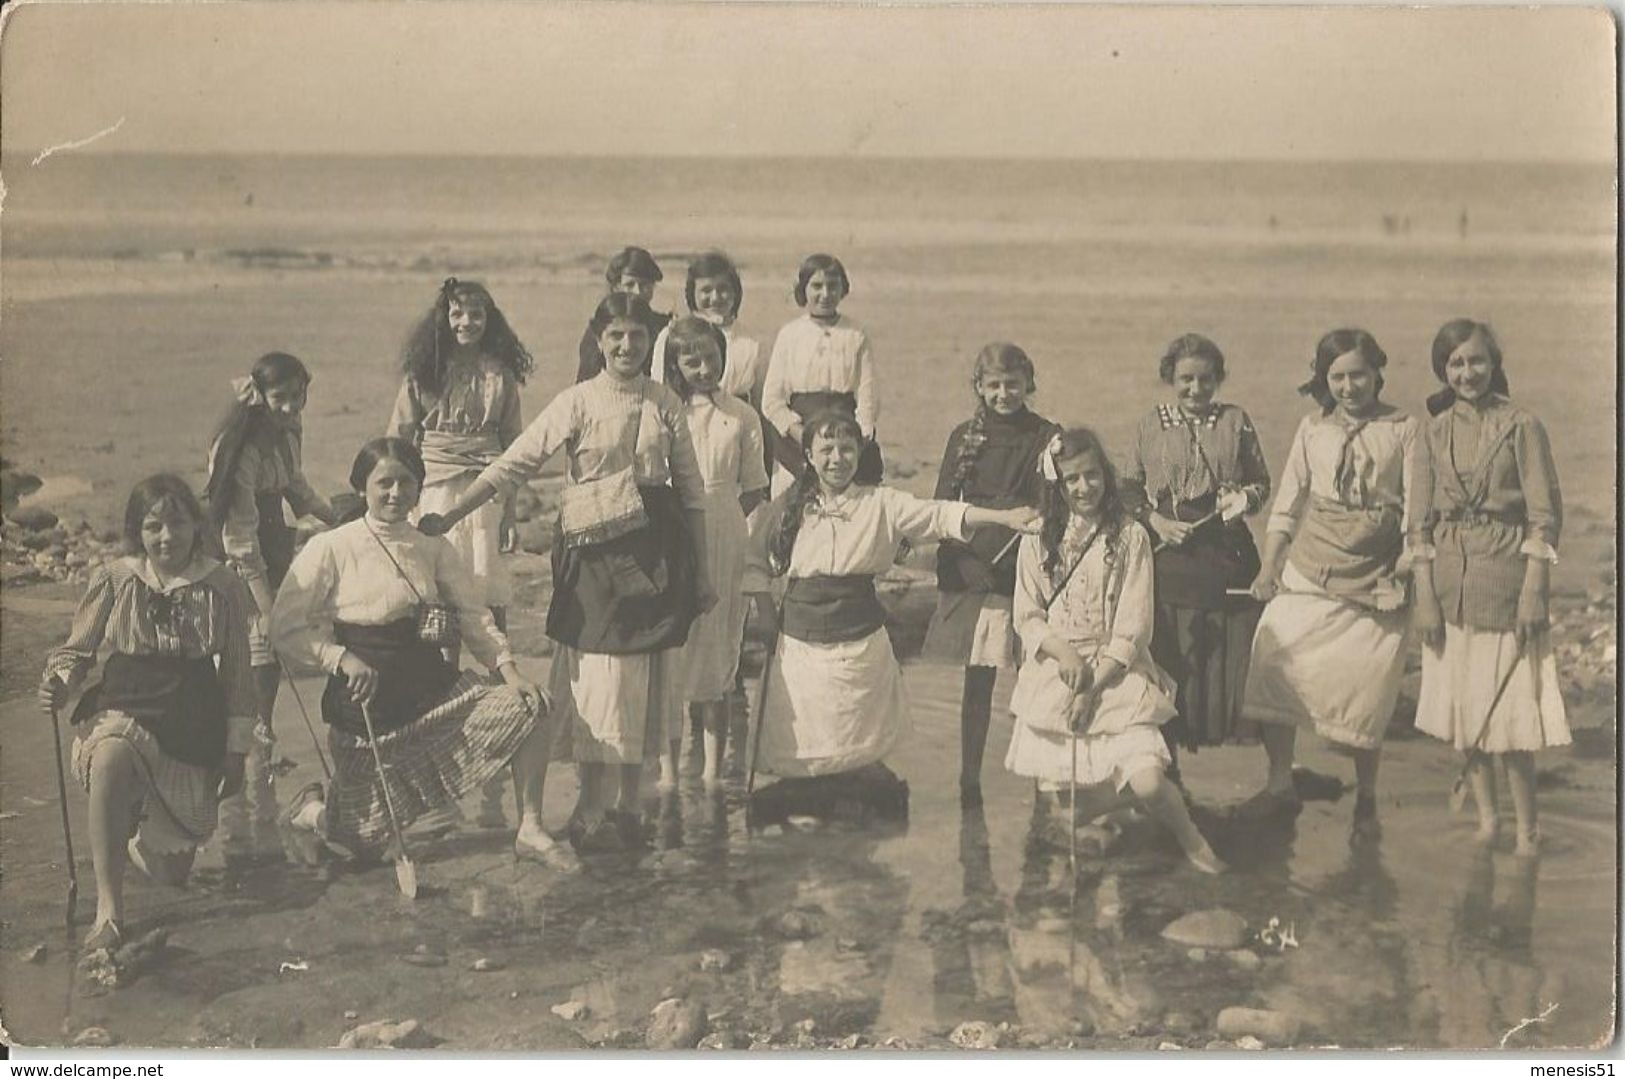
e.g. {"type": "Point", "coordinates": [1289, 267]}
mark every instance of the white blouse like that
{"type": "Point", "coordinates": [1369, 468]}
{"type": "Point", "coordinates": [1083, 613]}
{"type": "Point", "coordinates": [809, 357]}
{"type": "Point", "coordinates": [727, 443]}
{"type": "Point", "coordinates": [344, 575]}
{"type": "Point", "coordinates": [603, 425]}
{"type": "Point", "coordinates": [856, 533]}
{"type": "Point", "coordinates": [741, 377]}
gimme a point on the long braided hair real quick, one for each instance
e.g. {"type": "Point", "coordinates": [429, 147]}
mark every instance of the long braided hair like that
{"type": "Point", "coordinates": [430, 345]}
{"type": "Point", "coordinates": [1055, 510]}
{"type": "Point", "coordinates": [804, 493]}
{"type": "Point", "coordinates": [1000, 357]}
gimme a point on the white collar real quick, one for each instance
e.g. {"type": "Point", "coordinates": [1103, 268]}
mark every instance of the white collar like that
{"type": "Point", "coordinates": [197, 569]}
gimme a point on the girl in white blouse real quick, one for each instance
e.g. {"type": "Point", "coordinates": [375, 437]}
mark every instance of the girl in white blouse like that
{"type": "Point", "coordinates": [821, 361]}
{"type": "Point", "coordinates": [623, 599]}
{"type": "Point", "coordinates": [835, 700]}
{"type": "Point", "coordinates": [352, 606]}
{"type": "Point", "coordinates": [1089, 702]}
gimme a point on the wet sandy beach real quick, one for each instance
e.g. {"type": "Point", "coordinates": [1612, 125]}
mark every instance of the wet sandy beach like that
{"type": "Point", "coordinates": [847, 935]}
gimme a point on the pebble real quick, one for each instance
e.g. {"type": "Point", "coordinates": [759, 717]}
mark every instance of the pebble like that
{"type": "Point", "coordinates": [715, 959]}
{"type": "Point", "coordinates": [1218, 928]}
{"type": "Point", "coordinates": [1276, 1028]}
{"type": "Point", "coordinates": [95, 1037]}
{"type": "Point", "coordinates": [1244, 959]}
{"type": "Point", "coordinates": [1247, 1041]}
{"type": "Point", "coordinates": [424, 959]}
{"type": "Point", "coordinates": [676, 1023]}
{"type": "Point", "coordinates": [36, 954]}
{"type": "Point", "coordinates": [795, 925]}
{"type": "Point", "coordinates": [486, 964]}
{"type": "Point", "coordinates": [1163, 1047]}
{"type": "Point", "coordinates": [1198, 955]}
{"type": "Point", "coordinates": [571, 1011]}
{"type": "Point", "coordinates": [34, 519]}
{"type": "Point", "coordinates": [976, 1034]}
{"type": "Point", "coordinates": [387, 1034]}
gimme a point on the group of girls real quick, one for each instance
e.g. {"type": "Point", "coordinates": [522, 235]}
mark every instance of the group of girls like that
{"type": "Point", "coordinates": [1130, 602]}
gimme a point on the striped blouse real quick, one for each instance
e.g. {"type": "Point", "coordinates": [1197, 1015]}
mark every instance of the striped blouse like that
{"type": "Point", "coordinates": [204, 611]}
{"type": "Point", "coordinates": [267, 466]}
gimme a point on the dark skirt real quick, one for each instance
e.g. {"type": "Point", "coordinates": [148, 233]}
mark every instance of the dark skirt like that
{"type": "Point", "coordinates": [413, 677]}
{"type": "Point", "coordinates": [1202, 636]}
{"type": "Point", "coordinates": [630, 596]}
{"type": "Point", "coordinates": [827, 610]}
{"type": "Point", "coordinates": [871, 469]}
{"type": "Point", "coordinates": [179, 701]}
{"type": "Point", "coordinates": [276, 538]}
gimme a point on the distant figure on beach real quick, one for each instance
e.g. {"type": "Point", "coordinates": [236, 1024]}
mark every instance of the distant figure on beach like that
{"type": "Point", "coordinates": [462, 367]}
{"type": "Point", "coordinates": [630, 567]}
{"type": "Point", "coordinates": [255, 465]}
{"type": "Point", "coordinates": [834, 701]}
{"type": "Point", "coordinates": [1485, 514]}
{"type": "Point", "coordinates": [820, 361]}
{"type": "Point", "coordinates": [1330, 648]}
{"type": "Point", "coordinates": [727, 438]}
{"type": "Point", "coordinates": [1194, 473]}
{"type": "Point", "coordinates": [991, 460]}
{"type": "Point", "coordinates": [1090, 701]}
{"type": "Point", "coordinates": [633, 272]}
{"type": "Point", "coordinates": [161, 740]}
{"type": "Point", "coordinates": [372, 605]}
{"type": "Point", "coordinates": [1461, 223]}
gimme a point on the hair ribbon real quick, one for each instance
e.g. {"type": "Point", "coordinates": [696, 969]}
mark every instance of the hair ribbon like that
{"type": "Point", "coordinates": [1047, 466]}
{"type": "Point", "coordinates": [247, 392]}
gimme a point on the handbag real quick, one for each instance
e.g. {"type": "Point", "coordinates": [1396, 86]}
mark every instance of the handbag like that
{"type": "Point", "coordinates": [435, 623]}
{"type": "Point", "coordinates": [597, 511]}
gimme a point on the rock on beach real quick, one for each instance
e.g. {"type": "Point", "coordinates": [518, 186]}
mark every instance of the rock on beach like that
{"type": "Point", "coordinates": [1218, 929]}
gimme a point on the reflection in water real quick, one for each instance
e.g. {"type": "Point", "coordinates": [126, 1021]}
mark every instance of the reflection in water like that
{"type": "Point", "coordinates": [1489, 982]}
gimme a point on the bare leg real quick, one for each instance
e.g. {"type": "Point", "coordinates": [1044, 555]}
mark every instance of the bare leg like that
{"type": "Point", "coordinates": [1521, 781]}
{"type": "Point", "coordinates": [975, 714]}
{"type": "Point", "coordinates": [529, 769]}
{"type": "Point", "coordinates": [114, 786]}
{"type": "Point", "coordinates": [1481, 773]}
{"type": "Point", "coordinates": [1161, 800]}
{"type": "Point", "coordinates": [490, 815]}
{"type": "Point", "coordinates": [1366, 762]}
{"type": "Point", "coordinates": [1280, 744]}
{"type": "Point", "coordinates": [713, 717]}
{"type": "Point", "coordinates": [668, 764]}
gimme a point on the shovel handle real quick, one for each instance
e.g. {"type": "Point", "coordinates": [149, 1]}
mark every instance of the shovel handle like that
{"type": "Point", "coordinates": [62, 803]}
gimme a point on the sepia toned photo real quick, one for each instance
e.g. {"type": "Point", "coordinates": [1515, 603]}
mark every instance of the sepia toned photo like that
{"type": "Point", "coordinates": [700, 526]}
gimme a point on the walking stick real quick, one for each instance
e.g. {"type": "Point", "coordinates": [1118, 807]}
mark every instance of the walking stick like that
{"type": "Point", "coordinates": [761, 713]}
{"type": "Point", "coordinates": [67, 833]}
{"type": "Point", "coordinates": [406, 874]}
{"type": "Point", "coordinates": [1458, 789]}
{"type": "Point", "coordinates": [327, 769]}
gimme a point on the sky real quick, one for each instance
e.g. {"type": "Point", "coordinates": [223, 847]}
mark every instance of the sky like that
{"type": "Point", "coordinates": [1068, 81]}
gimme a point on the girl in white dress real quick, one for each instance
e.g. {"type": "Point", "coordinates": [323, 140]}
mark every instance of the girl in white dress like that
{"type": "Point", "coordinates": [1330, 647]}
{"type": "Point", "coordinates": [728, 444]}
{"type": "Point", "coordinates": [835, 700]}
{"type": "Point", "coordinates": [1089, 703]}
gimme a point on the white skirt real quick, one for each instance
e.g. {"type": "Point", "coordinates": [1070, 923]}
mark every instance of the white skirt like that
{"type": "Point", "coordinates": [1124, 735]}
{"type": "Point", "coordinates": [1327, 663]}
{"type": "Point", "coordinates": [710, 659]}
{"type": "Point", "coordinates": [1459, 682]}
{"type": "Point", "coordinates": [617, 709]}
{"type": "Point", "coordinates": [832, 707]}
{"type": "Point", "coordinates": [972, 629]}
{"type": "Point", "coordinates": [477, 538]}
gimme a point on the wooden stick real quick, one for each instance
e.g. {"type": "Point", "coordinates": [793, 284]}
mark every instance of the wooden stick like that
{"type": "Point", "coordinates": [62, 800]}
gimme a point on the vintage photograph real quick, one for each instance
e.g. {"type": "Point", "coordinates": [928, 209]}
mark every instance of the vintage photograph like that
{"type": "Point", "coordinates": [705, 526]}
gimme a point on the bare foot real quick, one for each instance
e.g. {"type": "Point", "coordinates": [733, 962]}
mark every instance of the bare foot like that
{"type": "Point", "coordinates": [1528, 844]}
{"type": "Point", "coordinates": [534, 844]}
{"type": "Point", "coordinates": [712, 780]}
{"type": "Point", "coordinates": [1488, 832]}
{"type": "Point", "coordinates": [1205, 860]}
